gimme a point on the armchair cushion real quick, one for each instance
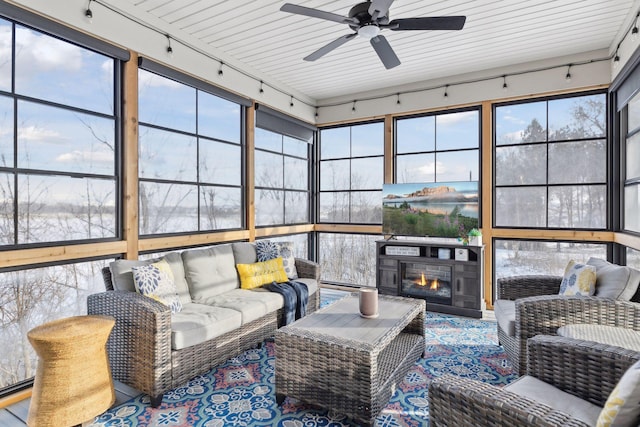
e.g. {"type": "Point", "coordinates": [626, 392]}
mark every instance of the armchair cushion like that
{"type": "Point", "coordinates": [579, 279]}
{"type": "Point", "coordinates": [539, 391]}
{"type": "Point", "coordinates": [615, 281]}
{"type": "Point", "coordinates": [622, 408]}
{"type": "Point", "coordinates": [505, 312]}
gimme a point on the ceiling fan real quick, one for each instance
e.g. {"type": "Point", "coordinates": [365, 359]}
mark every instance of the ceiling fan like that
{"type": "Point", "coordinates": [367, 19]}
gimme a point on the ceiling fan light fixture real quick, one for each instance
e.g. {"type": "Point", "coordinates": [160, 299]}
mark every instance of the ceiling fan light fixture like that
{"type": "Point", "coordinates": [369, 31]}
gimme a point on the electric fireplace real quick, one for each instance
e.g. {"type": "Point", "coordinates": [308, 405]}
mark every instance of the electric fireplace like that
{"type": "Point", "coordinates": [429, 281]}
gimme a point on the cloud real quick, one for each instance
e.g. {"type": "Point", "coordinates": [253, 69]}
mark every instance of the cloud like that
{"type": "Point", "coordinates": [33, 133]}
{"type": "Point", "coordinates": [38, 52]}
{"type": "Point", "coordinates": [454, 118]}
{"type": "Point", "coordinates": [147, 79]}
{"type": "Point", "coordinates": [513, 119]}
{"type": "Point", "coordinates": [77, 156]}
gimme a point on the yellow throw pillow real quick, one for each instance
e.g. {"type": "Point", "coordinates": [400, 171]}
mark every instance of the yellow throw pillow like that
{"type": "Point", "coordinates": [260, 273]}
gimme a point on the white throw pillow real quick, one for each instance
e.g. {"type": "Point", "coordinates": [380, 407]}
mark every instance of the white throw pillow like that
{"type": "Point", "coordinates": [622, 408]}
{"type": "Point", "coordinates": [267, 250]}
{"type": "Point", "coordinates": [579, 280]}
{"type": "Point", "coordinates": [156, 281]}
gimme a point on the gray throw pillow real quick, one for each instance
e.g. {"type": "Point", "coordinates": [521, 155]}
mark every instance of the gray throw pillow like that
{"type": "Point", "coordinates": [614, 281]}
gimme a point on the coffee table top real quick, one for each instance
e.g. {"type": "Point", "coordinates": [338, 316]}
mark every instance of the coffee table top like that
{"type": "Point", "coordinates": [342, 324]}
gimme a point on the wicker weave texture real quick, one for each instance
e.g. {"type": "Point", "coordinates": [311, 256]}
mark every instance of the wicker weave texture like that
{"type": "Point", "coordinates": [346, 376]}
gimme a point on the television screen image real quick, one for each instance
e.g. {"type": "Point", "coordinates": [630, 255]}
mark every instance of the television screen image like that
{"type": "Point", "coordinates": [435, 209]}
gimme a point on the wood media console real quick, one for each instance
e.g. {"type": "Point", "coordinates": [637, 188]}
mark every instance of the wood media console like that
{"type": "Point", "coordinates": [448, 276]}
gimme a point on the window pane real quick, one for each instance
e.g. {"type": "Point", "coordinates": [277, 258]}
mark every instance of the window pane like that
{"type": "Point", "coordinates": [153, 93]}
{"type": "Point", "coordinates": [633, 156]}
{"type": "Point", "coordinates": [295, 147]}
{"type": "Point", "coordinates": [269, 171]}
{"type": "Point", "coordinates": [218, 118]}
{"type": "Point", "coordinates": [415, 168]}
{"type": "Point", "coordinates": [334, 175]}
{"type": "Point", "coordinates": [268, 140]}
{"type": "Point", "coordinates": [457, 130]}
{"type": "Point", "coordinates": [520, 123]}
{"type": "Point", "coordinates": [457, 166]}
{"type": "Point", "coordinates": [6, 124]}
{"type": "Point", "coordinates": [167, 155]}
{"type": "Point", "coordinates": [6, 52]}
{"type": "Point", "coordinates": [634, 113]}
{"type": "Point", "coordinates": [7, 196]}
{"type": "Point", "coordinates": [521, 207]}
{"type": "Point", "coordinates": [633, 258]}
{"type": "Point", "coordinates": [521, 165]}
{"type": "Point", "coordinates": [582, 206]}
{"type": "Point", "coordinates": [367, 173]}
{"type": "Point", "coordinates": [57, 208]}
{"type": "Point", "coordinates": [55, 139]}
{"type": "Point", "coordinates": [334, 207]}
{"type": "Point", "coordinates": [269, 207]}
{"type": "Point", "coordinates": [220, 208]}
{"type": "Point", "coordinates": [335, 143]}
{"type": "Point", "coordinates": [296, 173]}
{"type": "Point", "coordinates": [168, 208]}
{"type": "Point", "coordinates": [519, 257]}
{"type": "Point", "coordinates": [366, 207]}
{"type": "Point", "coordinates": [577, 118]}
{"type": "Point", "coordinates": [367, 139]}
{"type": "Point", "coordinates": [587, 160]}
{"type": "Point", "coordinates": [32, 297]}
{"type": "Point", "coordinates": [416, 134]}
{"type": "Point", "coordinates": [296, 207]}
{"type": "Point", "coordinates": [348, 258]}
{"type": "Point", "coordinates": [54, 70]}
{"type": "Point", "coordinates": [220, 162]}
{"type": "Point", "coordinates": [632, 207]}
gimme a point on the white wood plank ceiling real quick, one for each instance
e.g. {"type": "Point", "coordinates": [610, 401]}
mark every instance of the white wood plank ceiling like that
{"type": "Point", "coordinates": [497, 33]}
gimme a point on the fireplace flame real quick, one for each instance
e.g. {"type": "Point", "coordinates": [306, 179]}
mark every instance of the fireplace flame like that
{"type": "Point", "coordinates": [434, 285]}
{"type": "Point", "coordinates": [423, 281]}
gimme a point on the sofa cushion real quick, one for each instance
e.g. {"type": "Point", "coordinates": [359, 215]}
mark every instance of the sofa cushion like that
{"type": "Point", "coordinates": [312, 284]}
{"type": "Point", "coordinates": [539, 391]}
{"type": "Point", "coordinates": [621, 408]}
{"type": "Point", "coordinates": [174, 259]}
{"type": "Point", "coordinates": [197, 323]}
{"type": "Point", "coordinates": [210, 271]}
{"type": "Point", "coordinates": [505, 312]}
{"type": "Point", "coordinates": [261, 273]}
{"type": "Point", "coordinates": [578, 280]}
{"type": "Point", "coordinates": [244, 252]}
{"type": "Point", "coordinates": [615, 281]}
{"type": "Point", "coordinates": [266, 250]}
{"type": "Point", "coordinates": [251, 304]}
{"type": "Point", "coordinates": [156, 281]}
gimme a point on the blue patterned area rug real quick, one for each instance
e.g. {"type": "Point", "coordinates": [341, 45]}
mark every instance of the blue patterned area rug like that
{"type": "Point", "coordinates": [241, 391]}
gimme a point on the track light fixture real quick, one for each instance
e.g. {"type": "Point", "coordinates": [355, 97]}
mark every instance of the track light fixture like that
{"type": "Point", "coordinates": [317, 112]}
{"type": "Point", "coordinates": [220, 72]}
{"type": "Point", "coordinates": [504, 82]}
{"type": "Point", "coordinates": [353, 107]}
{"type": "Point", "coordinates": [88, 14]}
{"type": "Point", "coordinates": [567, 77]}
{"type": "Point", "coordinates": [291, 101]}
{"type": "Point", "coordinates": [616, 59]}
{"type": "Point", "coordinates": [261, 90]}
{"type": "Point", "coordinates": [169, 48]}
{"type": "Point", "coordinates": [398, 98]}
{"type": "Point", "coordinates": [634, 30]}
{"type": "Point", "coordinates": [446, 91]}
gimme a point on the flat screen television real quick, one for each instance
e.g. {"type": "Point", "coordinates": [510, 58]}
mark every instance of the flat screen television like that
{"type": "Point", "coordinates": [435, 209]}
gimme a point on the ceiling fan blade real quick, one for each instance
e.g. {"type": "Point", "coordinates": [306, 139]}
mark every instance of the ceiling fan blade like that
{"type": "Point", "coordinates": [385, 52]}
{"type": "Point", "coordinates": [381, 6]}
{"type": "Point", "coordinates": [315, 13]}
{"type": "Point", "coordinates": [329, 47]}
{"type": "Point", "coordinates": [428, 23]}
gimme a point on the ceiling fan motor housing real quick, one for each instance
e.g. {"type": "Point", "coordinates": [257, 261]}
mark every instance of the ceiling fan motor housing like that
{"type": "Point", "coordinates": [360, 12]}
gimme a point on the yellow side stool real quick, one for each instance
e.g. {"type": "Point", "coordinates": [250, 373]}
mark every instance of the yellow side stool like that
{"type": "Point", "coordinates": [73, 380]}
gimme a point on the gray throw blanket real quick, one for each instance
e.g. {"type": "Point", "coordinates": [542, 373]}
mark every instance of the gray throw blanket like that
{"type": "Point", "coordinates": [295, 296]}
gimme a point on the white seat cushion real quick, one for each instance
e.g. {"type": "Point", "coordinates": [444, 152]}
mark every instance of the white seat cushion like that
{"type": "Point", "coordinates": [197, 323]}
{"type": "Point", "coordinates": [557, 399]}
{"type": "Point", "coordinates": [505, 312]}
{"type": "Point", "coordinates": [250, 304]}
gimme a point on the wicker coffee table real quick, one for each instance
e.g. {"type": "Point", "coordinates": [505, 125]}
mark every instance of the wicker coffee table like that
{"type": "Point", "coordinates": [336, 359]}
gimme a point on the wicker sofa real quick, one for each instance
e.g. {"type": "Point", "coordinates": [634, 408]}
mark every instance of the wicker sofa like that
{"type": "Point", "coordinates": [527, 306]}
{"type": "Point", "coordinates": [568, 382]}
{"type": "Point", "coordinates": [153, 350]}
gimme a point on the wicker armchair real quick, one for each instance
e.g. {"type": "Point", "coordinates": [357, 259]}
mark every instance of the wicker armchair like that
{"type": "Point", "coordinates": [540, 310]}
{"type": "Point", "coordinates": [584, 369]}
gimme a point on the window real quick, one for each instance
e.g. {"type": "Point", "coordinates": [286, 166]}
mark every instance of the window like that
{"type": "Point", "coordinates": [348, 258]}
{"type": "Point", "coordinates": [632, 167]}
{"type": "Point", "coordinates": [551, 163]}
{"type": "Point", "coordinates": [438, 147]}
{"type": "Point", "coordinates": [351, 173]}
{"type": "Point", "coordinates": [281, 179]}
{"type": "Point", "coordinates": [60, 121]}
{"type": "Point", "coordinates": [190, 158]}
